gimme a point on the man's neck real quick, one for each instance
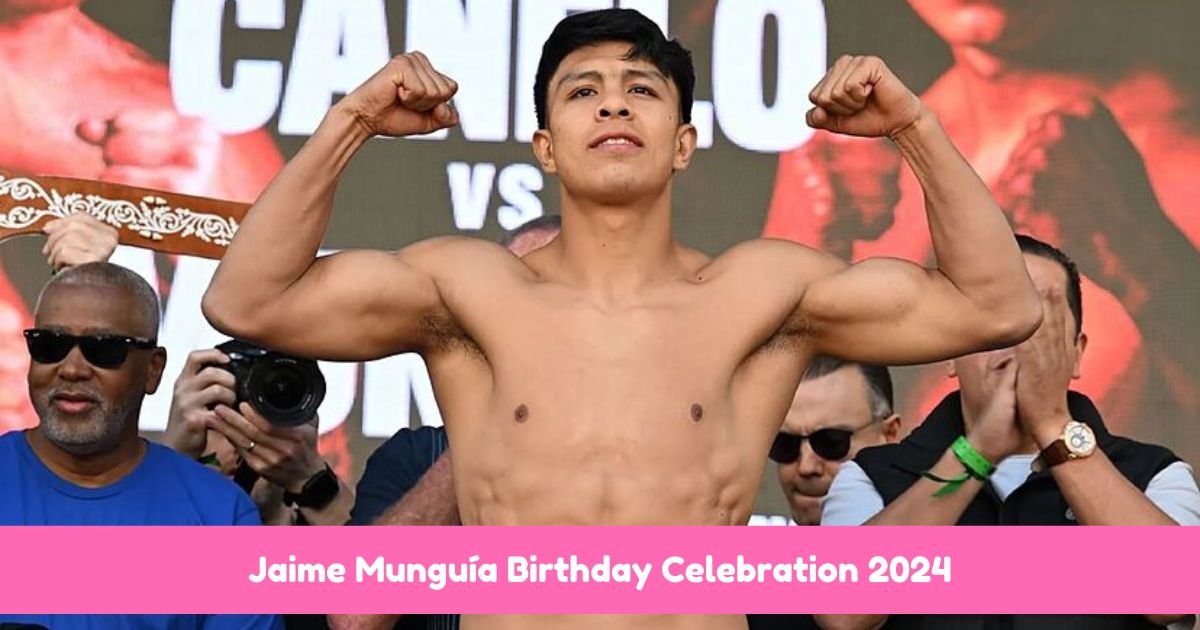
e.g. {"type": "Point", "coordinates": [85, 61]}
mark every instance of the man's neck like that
{"type": "Point", "coordinates": [617, 250]}
{"type": "Point", "coordinates": [90, 471]}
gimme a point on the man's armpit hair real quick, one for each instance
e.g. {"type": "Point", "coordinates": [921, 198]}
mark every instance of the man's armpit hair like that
{"type": "Point", "coordinates": [788, 337]}
{"type": "Point", "coordinates": [443, 334]}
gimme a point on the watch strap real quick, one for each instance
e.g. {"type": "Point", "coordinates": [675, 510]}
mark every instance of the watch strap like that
{"type": "Point", "coordinates": [318, 492]}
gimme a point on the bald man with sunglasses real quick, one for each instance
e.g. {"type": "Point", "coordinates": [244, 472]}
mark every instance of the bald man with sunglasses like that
{"type": "Point", "coordinates": [838, 408]}
{"type": "Point", "coordinates": [93, 359]}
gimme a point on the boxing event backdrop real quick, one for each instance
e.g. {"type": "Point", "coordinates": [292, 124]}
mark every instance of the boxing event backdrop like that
{"type": "Point", "coordinates": [1082, 117]}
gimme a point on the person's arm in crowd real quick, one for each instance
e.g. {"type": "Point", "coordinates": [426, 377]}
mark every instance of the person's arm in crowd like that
{"type": "Point", "coordinates": [991, 428]}
{"type": "Point", "coordinates": [890, 311]}
{"type": "Point", "coordinates": [1095, 490]}
{"type": "Point", "coordinates": [198, 390]}
{"type": "Point", "coordinates": [284, 456]}
{"type": "Point", "coordinates": [430, 502]}
{"type": "Point", "coordinates": [76, 240]}
{"type": "Point", "coordinates": [1099, 494]}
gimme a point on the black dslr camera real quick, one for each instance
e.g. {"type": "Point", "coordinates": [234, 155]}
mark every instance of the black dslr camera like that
{"type": "Point", "coordinates": [286, 390]}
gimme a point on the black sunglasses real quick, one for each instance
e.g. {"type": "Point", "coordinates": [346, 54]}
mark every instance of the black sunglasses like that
{"type": "Point", "coordinates": [102, 351]}
{"type": "Point", "coordinates": [830, 444]}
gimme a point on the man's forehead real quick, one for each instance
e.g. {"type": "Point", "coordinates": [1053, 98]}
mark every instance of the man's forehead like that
{"type": "Point", "coordinates": [603, 58]}
{"type": "Point", "coordinates": [837, 399]}
{"type": "Point", "coordinates": [87, 309]}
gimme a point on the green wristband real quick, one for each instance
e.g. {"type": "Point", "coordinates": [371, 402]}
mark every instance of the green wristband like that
{"type": "Point", "coordinates": [976, 464]}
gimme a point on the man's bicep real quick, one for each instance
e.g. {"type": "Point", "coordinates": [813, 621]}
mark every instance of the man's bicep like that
{"type": "Point", "coordinates": [353, 305]}
{"type": "Point", "coordinates": [890, 312]}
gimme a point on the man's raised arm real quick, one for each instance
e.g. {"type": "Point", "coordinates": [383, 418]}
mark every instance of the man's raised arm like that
{"type": "Point", "coordinates": [893, 312]}
{"type": "Point", "coordinates": [272, 289]}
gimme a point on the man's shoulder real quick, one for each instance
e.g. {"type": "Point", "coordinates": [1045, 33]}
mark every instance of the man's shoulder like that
{"type": "Point", "coordinates": [774, 251]}
{"type": "Point", "coordinates": [9, 440]}
{"type": "Point", "coordinates": [767, 273]}
{"type": "Point", "coordinates": [11, 444]}
{"type": "Point", "coordinates": [463, 251]}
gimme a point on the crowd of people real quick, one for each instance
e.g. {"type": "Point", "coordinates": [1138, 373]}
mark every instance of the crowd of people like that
{"type": "Point", "coordinates": [591, 370]}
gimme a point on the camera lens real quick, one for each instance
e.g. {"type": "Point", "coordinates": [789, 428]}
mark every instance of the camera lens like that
{"type": "Point", "coordinates": [286, 390]}
{"type": "Point", "coordinates": [283, 387]}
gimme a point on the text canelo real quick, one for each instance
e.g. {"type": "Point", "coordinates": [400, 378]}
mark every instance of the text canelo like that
{"type": "Point", "coordinates": [571, 570]}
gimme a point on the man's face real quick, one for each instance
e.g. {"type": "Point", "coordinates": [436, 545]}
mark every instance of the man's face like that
{"type": "Point", "coordinates": [992, 24]}
{"type": "Point", "coordinates": [614, 130]}
{"type": "Point", "coordinates": [973, 370]}
{"type": "Point", "coordinates": [838, 400]}
{"type": "Point", "coordinates": [85, 409]}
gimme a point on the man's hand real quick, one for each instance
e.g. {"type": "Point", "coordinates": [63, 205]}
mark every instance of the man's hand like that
{"type": "Point", "coordinates": [158, 148]}
{"type": "Point", "coordinates": [76, 240]}
{"type": "Point", "coordinates": [860, 96]}
{"type": "Point", "coordinates": [406, 97]}
{"type": "Point", "coordinates": [991, 419]}
{"type": "Point", "coordinates": [1046, 364]}
{"type": "Point", "coordinates": [285, 456]}
{"type": "Point", "coordinates": [197, 390]}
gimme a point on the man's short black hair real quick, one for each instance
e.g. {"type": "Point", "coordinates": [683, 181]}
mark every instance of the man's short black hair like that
{"type": "Point", "coordinates": [877, 377]}
{"type": "Point", "coordinates": [1034, 247]}
{"type": "Point", "coordinates": [615, 25]}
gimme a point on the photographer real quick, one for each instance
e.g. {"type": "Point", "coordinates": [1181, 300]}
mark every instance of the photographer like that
{"type": "Point", "coordinates": [278, 465]}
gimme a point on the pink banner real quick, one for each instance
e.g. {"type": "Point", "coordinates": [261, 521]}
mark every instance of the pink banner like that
{"type": "Point", "coordinates": [598, 570]}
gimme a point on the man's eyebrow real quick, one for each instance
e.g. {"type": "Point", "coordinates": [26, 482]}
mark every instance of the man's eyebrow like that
{"type": "Point", "coordinates": [580, 76]}
{"type": "Point", "coordinates": [594, 75]}
{"type": "Point", "coordinates": [653, 75]}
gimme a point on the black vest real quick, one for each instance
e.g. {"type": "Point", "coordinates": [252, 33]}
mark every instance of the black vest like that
{"type": "Point", "coordinates": [893, 468]}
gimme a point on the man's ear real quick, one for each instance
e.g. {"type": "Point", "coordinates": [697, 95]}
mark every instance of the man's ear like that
{"type": "Point", "coordinates": [685, 146]}
{"type": "Point", "coordinates": [1080, 345]}
{"type": "Point", "coordinates": [890, 428]}
{"type": "Point", "coordinates": [158, 362]}
{"type": "Point", "coordinates": [543, 149]}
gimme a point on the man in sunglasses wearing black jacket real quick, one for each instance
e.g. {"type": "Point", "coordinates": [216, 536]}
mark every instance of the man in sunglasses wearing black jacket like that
{"type": "Point", "coordinates": [838, 408]}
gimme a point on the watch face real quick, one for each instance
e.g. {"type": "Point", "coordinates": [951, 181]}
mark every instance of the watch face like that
{"type": "Point", "coordinates": [1080, 439]}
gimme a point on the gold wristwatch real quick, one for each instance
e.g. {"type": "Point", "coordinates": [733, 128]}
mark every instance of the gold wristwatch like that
{"type": "Point", "coordinates": [1077, 441]}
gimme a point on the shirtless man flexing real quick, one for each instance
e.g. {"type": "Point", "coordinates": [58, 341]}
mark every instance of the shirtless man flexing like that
{"type": "Point", "coordinates": [616, 376]}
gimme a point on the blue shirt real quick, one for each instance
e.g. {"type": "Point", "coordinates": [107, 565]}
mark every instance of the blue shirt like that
{"type": "Point", "coordinates": [166, 488]}
{"type": "Point", "coordinates": [392, 470]}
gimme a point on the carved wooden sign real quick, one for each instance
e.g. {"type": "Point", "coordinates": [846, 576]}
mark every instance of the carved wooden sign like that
{"type": "Point", "coordinates": [153, 219]}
